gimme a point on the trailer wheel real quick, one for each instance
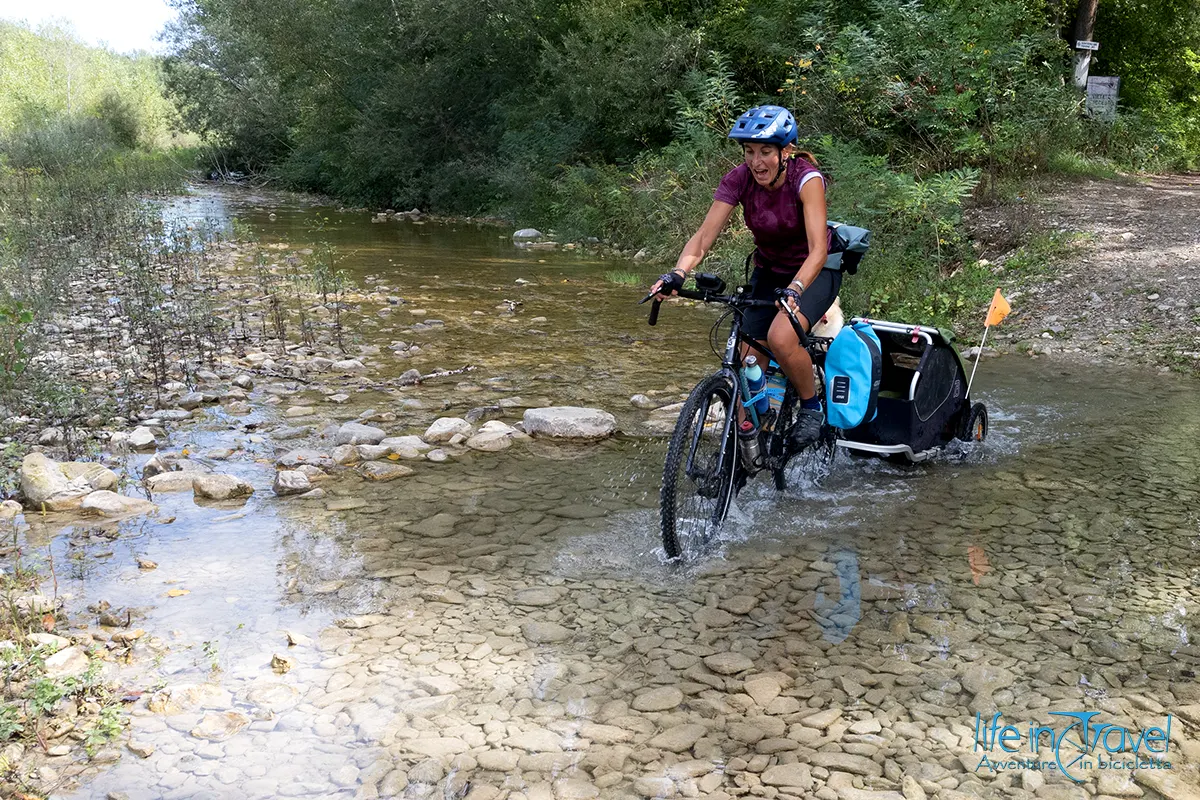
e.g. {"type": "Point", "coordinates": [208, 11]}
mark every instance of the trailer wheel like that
{"type": "Point", "coordinates": [975, 428]}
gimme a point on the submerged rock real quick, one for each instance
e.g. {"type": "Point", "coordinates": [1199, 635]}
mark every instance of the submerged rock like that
{"type": "Point", "coordinates": [294, 458]}
{"type": "Point", "coordinates": [384, 471]}
{"type": "Point", "coordinates": [221, 487]}
{"type": "Point", "coordinates": [217, 727]}
{"type": "Point", "coordinates": [569, 422]}
{"type": "Point", "coordinates": [111, 504]}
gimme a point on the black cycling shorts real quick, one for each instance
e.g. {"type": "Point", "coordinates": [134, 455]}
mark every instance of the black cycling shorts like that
{"type": "Point", "coordinates": [814, 302]}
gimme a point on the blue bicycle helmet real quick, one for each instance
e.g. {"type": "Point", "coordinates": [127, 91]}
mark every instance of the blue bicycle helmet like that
{"type": "Point", "coordinates": [771, 124]}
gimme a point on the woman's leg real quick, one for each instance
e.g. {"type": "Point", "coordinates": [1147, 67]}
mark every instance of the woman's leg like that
{"type": "Point", "coordinates": [795, 360]}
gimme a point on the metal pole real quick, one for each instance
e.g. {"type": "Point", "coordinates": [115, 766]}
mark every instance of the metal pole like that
{"type": "Point", "coordinates": [979, 356]}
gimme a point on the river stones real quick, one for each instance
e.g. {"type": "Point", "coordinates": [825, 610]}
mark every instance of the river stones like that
{"type": "Point", "coordinates": [537, 597]}
{"type": "Point", "coordinates": [221, 487]}
{"type": "Point", "coordinates": [797, 776]}
{"type": "Point", "coordinates": [349, 366]}
{"type": "Point", "coordinates": [540, 632]}
{"type": "Point", "coordinates": [437, 747]}
{"type": "Point", "coordinates": [446, 428]}
{"type": "Point", "coordinates": [536, 740]}
{"type": "Point", "coordinates": [290, 481]}
{"type": "Point", "coordinates": [569, 422]}
{"type": "Point", "coordinates": [294, 458]}
{"type": "Point", "coordinates": [357, 433]}
{"type": "Point", "coordinates": [68, 663]}
{"type": "Point", "coordinates": [662, 698]}
{"type": "Point", "coordinates": [679, 738]}
{"type": "Point", "coordinates": [985, 679]}
{"type": "Point", "coordinates": [438, 526]}
{"type": "Point", "coordinates": [45, 484]}
{"type": "Point", "coordinates": [397, 443]}
{"type": "Point", "coordinates": [142, 438]}
{"type": "Point", "coordinates": [273, 697]}
{"type": "Point", "coordinates": [654, 787]}
{"type": "Point", "coordinates": [489, 442]}
{"type": "Point", "coordinates": [728, 663]}
{"type": "Point", "coordinates": [371, 452]}
{"type": "Point", "coordinates": [166, 482]}
{"type": "Point", "coordinates": [384, 471]}
{"type": "Point", "coordinates": [219, 726]}
{"type": "Point", "coordinates": [110, 504]}
{"type": "Point", "coordinates": [846, 762]}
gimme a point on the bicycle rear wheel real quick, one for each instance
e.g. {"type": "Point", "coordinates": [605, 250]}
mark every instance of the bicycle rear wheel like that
{"type": "Point", "coordinates": [698, 476]}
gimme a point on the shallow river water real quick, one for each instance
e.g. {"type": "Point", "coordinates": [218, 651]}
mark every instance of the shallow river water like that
{"type": "Point", "coordinates": [502, 624]}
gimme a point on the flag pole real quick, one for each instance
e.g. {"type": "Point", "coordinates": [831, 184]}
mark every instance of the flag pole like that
{"type": "Point", "coordinates": [978, 356]}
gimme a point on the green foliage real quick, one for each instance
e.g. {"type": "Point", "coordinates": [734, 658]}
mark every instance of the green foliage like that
{"type": "Point", "coordinates": [15, 323]}
{"type": "Point", "coordinates": [107, 726]}
{"type": "Point", "coordinates": [627, 278]}
{"type": "Point", "coordinates": [1154, 46]}
{"type": "Point", "coordinates": [45, 695]}
{"type": "Point", "coordinates": [10, 721]}
{"type": "Point", "coordinates": [48, 76]}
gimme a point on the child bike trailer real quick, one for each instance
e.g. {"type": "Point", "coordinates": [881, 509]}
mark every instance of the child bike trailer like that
{"type": "Point", "coordinates": [922, 401]}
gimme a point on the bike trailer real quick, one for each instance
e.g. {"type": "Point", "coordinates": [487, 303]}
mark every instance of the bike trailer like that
{"type": "Point", "coordinates": [922, 402]}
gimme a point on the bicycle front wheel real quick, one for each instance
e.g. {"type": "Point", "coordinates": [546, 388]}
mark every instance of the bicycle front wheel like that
{"type": "Point", "coordinates": [698, 478]}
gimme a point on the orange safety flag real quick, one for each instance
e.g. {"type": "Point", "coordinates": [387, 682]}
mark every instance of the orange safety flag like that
{"type": "Point", "coordinates": [998, 310]}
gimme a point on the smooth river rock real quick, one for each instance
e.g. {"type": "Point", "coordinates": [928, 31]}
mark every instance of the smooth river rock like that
{"type": "Point", "coordinates": [569, 422]}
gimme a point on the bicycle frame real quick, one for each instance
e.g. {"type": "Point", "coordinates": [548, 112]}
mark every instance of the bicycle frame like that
{"type": "Point", "coordinates": [731, 368]}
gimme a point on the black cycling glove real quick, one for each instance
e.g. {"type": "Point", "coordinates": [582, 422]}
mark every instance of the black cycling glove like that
{"type": "Point", "coordinates": [671, 282]}
{"type": "Point", "coordinates": [784, 294]}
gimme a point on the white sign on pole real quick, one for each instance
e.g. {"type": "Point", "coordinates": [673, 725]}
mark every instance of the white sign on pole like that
{"type": "Point", "coordinates": [1102, 94]}
{"type": "Point", "coordinates": [1083, 44]}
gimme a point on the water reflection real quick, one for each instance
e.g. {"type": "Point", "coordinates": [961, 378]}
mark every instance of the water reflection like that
{"type": "Point", "coordinates": [838, 612]}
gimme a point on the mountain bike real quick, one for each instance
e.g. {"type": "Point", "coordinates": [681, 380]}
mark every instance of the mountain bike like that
{"type": "Point", "coordinates": [705, 465]}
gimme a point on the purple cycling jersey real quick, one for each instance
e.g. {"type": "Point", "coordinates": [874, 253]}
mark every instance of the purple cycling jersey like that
{"type": "Point", "coordinates": [773, 216]}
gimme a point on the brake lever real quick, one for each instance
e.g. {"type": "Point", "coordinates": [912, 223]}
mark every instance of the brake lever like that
{"type": "Point", "coordinates": [647, 297]}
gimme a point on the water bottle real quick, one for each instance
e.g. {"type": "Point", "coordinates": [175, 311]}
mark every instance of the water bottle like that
{"type": "Point", "coordinates": [755, 381]}
{"type": "Point", "coordinates": [777, 384]}
{"type": "Point", "coordinates": [748, 444]}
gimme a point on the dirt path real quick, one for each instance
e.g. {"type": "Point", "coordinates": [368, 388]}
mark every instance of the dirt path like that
{"type": "Point", "coordinates": [1129, 290]}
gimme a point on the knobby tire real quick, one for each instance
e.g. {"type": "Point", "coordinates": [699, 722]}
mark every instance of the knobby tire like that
{"type": "Point", "coordinates": [690, 519]}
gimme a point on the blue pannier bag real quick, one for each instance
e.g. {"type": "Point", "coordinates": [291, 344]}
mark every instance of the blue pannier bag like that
{"type": "Point", "coordinates": [853, 369]}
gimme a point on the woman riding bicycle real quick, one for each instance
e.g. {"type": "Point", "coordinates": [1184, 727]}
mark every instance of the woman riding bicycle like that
{"type": "Point", "coordinates": [782, 195]}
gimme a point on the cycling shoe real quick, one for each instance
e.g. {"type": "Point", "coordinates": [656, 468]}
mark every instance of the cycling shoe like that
{"type": "Point", "coordinates": [807, 428]}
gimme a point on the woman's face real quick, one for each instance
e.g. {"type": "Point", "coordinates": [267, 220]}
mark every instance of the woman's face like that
{"type": "Point", "coordinates": [763, 161]}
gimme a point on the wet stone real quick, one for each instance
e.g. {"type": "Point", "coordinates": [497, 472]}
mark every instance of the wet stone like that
{"type": "Point", "coordinates": [537, 597]}
{"type": "Point", "coordinates": [384, 471]}
{"type": "Point", "coordinates": [220, 726]}
{"type": "Point", "coordinates": [662, 698]}
{"type": "Point", "coordinates": [728, 663]}
{"type": "Point", "coordinates": [545, 632]}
